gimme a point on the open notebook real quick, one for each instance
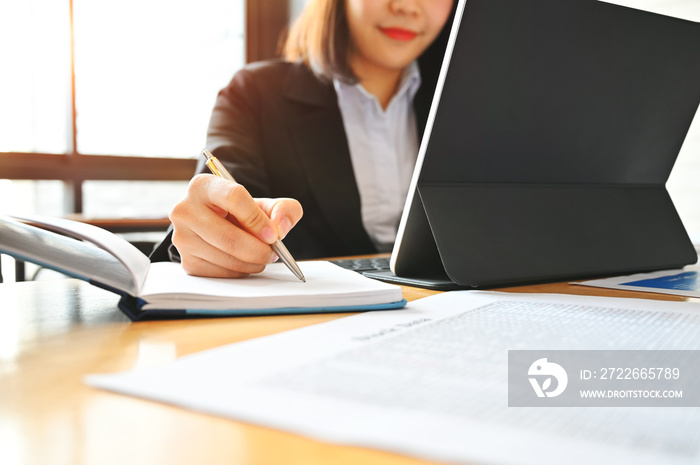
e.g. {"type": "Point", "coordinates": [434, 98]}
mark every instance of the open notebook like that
{"type": "Point", "coordinates": [164, 290]}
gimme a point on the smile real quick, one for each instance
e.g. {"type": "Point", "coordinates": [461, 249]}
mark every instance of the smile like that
{"type": "Point", "coordinates": [398, 33]}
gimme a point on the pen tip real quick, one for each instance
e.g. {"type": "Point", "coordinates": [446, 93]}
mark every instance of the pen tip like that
{"type": "Point", "coordinates": [303, 280]}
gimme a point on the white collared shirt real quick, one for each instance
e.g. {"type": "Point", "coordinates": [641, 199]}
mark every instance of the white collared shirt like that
{"type": "Point", "coordinates": [383, 148]}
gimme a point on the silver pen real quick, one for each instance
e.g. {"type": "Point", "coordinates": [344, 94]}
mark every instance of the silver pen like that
{"type": "Point", "coordinates": [220, 170]}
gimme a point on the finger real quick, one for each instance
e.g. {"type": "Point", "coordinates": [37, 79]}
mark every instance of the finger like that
{"type": "Point", "coordinates": [195, 266]}
{"type": "Point", "coordinates": [195, 224]}
{"type": "Point", "coordinates": [230, 240]}
{"type": "Point", "coordinates": [202, 253]}
{"type": "Point", "coordinates": [234, 199]}
{"type": "Point", "coordinates": [284, 213]}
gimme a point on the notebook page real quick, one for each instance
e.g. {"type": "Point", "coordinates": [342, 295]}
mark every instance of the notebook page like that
{"type": "Point", "coordinates": [168, 286]}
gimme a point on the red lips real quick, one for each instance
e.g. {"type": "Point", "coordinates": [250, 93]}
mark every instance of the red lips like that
{"type": "Point", "coordinates": [398, 33]}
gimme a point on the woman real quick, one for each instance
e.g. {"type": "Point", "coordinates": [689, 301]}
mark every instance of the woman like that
{"type": "Point", "coordinates": [334, 128]}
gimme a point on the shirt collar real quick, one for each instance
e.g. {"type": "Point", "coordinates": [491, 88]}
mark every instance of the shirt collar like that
{"type": "Point", "coordinates": [410, 81]}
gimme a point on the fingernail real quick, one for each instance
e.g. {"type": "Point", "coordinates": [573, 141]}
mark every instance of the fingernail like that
{"type": "Point", "coordinates": [284, 227]}
{"type": "Point", "coordinates": [268, 235]}
{"type": "Point", "coordinates": [274, 258]}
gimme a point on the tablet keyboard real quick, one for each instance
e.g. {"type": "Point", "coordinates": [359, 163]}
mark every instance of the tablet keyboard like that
{"type": "Point", "coordinates": [364, 264]}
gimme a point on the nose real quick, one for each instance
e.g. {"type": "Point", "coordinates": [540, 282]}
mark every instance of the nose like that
{"type": "Point", "coordinates": [407, 7]}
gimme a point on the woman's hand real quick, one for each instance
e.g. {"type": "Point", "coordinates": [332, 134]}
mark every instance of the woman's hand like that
{"type": "Point", "coordinates": [221, 231]}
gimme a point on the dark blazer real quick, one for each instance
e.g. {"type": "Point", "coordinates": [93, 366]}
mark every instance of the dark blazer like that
{"type": "Point", "coordinates": [278, 129]}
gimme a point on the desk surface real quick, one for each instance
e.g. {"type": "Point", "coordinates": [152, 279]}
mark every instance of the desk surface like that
{"type": "Point", "coordinates": [54, 332]}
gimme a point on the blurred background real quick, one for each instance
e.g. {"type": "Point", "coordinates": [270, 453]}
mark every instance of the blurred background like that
{"type": "Point", "coordinates": [104, 104]}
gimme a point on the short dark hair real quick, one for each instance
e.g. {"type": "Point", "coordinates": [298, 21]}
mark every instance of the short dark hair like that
{"type": "Point", "coordinates": [320, 37]}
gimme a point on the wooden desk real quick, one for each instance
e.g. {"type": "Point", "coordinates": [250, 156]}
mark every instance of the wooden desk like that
{"type": "Point", "coordinates": [52, 333]}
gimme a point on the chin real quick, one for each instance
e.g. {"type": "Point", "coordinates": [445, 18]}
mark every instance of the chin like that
{"type": "Point", "coordinates": [396, 60]}
{"type": "Point", "coordinates": [399, 64]}
{"type": "Point", "coordinates": [403, 56]}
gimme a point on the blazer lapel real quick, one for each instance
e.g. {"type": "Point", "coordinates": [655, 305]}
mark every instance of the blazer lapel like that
{"type": "Point", "coordinates": [321, 145]}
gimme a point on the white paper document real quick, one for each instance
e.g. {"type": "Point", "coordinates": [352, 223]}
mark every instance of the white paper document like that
{"type": "Point", "coordinates": [431, 380]}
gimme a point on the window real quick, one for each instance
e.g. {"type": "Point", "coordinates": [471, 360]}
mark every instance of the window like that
{"type": "Point", "coordinates": [146, 74]}
{"type": "Point", "coordinates": [35, 90]}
